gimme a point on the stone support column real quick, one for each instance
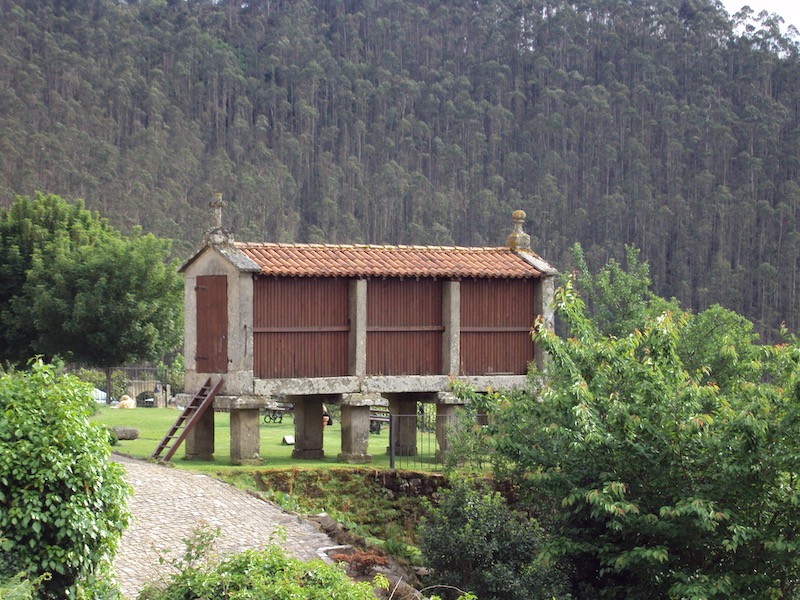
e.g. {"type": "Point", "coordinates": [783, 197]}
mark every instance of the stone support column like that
{"type": "Point", "coordinates": [403, 408]}
{"type": "Point", "coordinates": [451, 319]}
{"type": "Point", "coordinates": [245, 436]}
{"type": "Point", "coordinates": [308, 428]}
{"type": "Point", "coordinates": [199, 442]}
{"type": "Point", "coordinates": [355, 434]}
{"type": "Point", "coordinates": [445, 418]}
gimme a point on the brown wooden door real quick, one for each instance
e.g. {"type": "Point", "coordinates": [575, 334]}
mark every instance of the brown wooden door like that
{"type": "Point", "coordinates": [212, 324]}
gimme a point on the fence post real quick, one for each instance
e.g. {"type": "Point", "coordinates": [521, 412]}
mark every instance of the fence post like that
{"type": "Point", "coordinates": [391, 440]}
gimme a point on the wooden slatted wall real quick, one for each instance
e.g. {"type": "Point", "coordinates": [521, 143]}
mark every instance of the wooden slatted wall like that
{"type": "Point", "coordinates": [496, 320]}
{"type": "Point", "coordinates": [404, 326]}
{"type": "Point", "coordinates": [300, 327]}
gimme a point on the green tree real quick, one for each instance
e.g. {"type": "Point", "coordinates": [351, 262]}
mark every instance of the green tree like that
{"type": "Point", "coordinates": [80, 290]}
{"type": "Point", "coordinates": [618, 297]}
{"type": "Point", "coordinates": [473, 541]}
{"type": "Point", "coordinates": [31, 227]}
{"type": "Point", "coordinates": [62, 502]}
{"type": "Point", "coordinates": [662, 482]}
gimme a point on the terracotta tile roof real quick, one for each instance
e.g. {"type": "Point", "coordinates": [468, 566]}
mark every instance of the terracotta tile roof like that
{"type": "Point", "coordinates": [329, 260]}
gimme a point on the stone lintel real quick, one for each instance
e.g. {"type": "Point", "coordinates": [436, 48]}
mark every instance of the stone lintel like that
{"type": "Point", "coordinates": [240, 402]}
{"type": "Point", "coordinates": [311, 386]}
{"type": "Point", "coordinates": [372, 386]}
{"type": "Point", "coordinates": [379, 384]}
{"type": "Point", "coordinates": [364, 400]}
{"type": "Point", "coordinates": [482, 383]}
{"type": "Point", "coordinates": [182, 400]}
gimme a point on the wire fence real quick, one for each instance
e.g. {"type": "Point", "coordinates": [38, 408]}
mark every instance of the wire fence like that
{"type": "Point", "coordinates": [418, 441]}
{"type": "Point", "coordinates": [147, 385]}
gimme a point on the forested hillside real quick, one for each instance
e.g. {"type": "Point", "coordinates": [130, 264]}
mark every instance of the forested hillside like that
{"type": "Point", "coordinates": [659, 124]}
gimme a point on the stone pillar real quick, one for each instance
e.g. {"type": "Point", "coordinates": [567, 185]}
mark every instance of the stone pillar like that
{"type": "Point", "coordinates": [245, 436]}
{"type": "Point", "coordinates": [200, 440]}
{"type": "Point", "coordinates": [445, 418]}
{"type": "Point", "coordinates": [543, 301]}
{"type": "Point", "coordinates": [357, 343]}
{"type": "Point", "coordinates": [355, 434]}
{"type": "Point", "coordinates": [403, 408]}
{"type": "Point", "coordinates": [308, 428]}
{"type": "Point", "coordinates": [451, 319]}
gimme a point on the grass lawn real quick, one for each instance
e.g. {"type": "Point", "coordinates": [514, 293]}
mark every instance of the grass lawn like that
{"type": "Point", "coordinates": [153, 424]}
{"type": "Point", "coordinates": [349, 493]}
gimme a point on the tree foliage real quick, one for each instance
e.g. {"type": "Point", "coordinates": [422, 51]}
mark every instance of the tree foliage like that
{"type": "Point", "coordinates": [74, 287]}
{"type": "Point", "coordinates": [62, 502]}
{"type": "Point", "coordinates": [667, 455]}
{"type": "Point", "coordinates": [669, 126]}
{"type": "Point", "coordinates": [473, 541]}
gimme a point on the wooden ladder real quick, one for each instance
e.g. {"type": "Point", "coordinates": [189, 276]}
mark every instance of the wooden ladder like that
{"type": "Point", "coordinates": [190, 416]}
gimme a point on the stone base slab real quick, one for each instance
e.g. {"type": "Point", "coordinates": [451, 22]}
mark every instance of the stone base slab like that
{"type": "Point", "coordinates": [355, 459]}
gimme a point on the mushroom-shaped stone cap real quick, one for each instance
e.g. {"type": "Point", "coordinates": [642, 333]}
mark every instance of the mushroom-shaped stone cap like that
{"type": "Point", "coordinates": [519, 240]}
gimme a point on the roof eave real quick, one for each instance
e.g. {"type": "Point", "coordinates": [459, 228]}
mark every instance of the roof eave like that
{"type": "Point", "coordinates": [230, 253]}
{"type": "Point", "coordinates": [537, 262]}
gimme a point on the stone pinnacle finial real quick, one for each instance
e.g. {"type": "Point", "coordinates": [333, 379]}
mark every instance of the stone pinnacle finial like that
{"type": "Point", "coordinates": [217, 236]}
{"type": "Point", "coordinates": [217, 205]}
{"type": "Point", "coordinates": [519, 240]}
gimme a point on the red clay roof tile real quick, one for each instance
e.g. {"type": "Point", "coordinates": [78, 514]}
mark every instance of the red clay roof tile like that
{"type": "Point", "coordinates": [329, 260]}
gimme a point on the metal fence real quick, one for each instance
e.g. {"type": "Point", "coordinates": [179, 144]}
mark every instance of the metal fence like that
{"type": "Point", "coordinates": [144, 384]}
{"type": "Point", "coordinates": [418, 441]}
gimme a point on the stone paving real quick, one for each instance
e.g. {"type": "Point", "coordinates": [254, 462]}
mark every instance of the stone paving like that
{"type": "Point", "coordinates": [169, 503]}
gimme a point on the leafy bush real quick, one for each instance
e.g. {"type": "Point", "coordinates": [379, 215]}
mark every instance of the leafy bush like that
{"type": "Point", "coordinates": [63, 502]}
{"type": "Point", "coordinates": [361, 562]}
{"type": "Point", "coordinates": [671, 474]}
{"type": "Point", "coordinates": [473, 540]}
{"type": "Point", "coordinates": [18, 587]}
{"type": "Point", "coordinates": [256, 575]}
{"type": "Point", "coordinates": [113, 439]}
{"type": "Point", "coordinates": [468, 445]}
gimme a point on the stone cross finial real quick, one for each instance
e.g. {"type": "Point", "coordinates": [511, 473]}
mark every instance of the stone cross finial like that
{"type": "Point", "coordinates": [519, 240]}
{"type": "Point", "coordinates": [217, 236]}
{"type": "Point", "coordinates": [217, 205]}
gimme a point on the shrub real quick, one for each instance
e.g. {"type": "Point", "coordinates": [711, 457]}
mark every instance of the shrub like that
{"type": "Point", "coordinates": [257, 575]}
{"type": "Point", "coordinates": [64, 503]}
{"type": "Point", "coordinates": [468, 446]}
{"type": "Point", "coordinates": [17, 587]}
{"type": "Point", "coordinates": [361, 562]}
{"type": "Point", "coordinates": [473, 540]}
{"type": "Point", "coordinates": [664, 481]}
{"type": "Point", "coordinates": [113, 440]}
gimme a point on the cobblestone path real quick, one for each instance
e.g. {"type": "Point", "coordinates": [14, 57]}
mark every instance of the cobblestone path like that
{"type": "Point", "coordinates": [168, 504]}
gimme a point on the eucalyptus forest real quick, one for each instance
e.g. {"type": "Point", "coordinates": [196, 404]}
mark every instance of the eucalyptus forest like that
{"type": "Point", "coordinates": [668, 126]}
